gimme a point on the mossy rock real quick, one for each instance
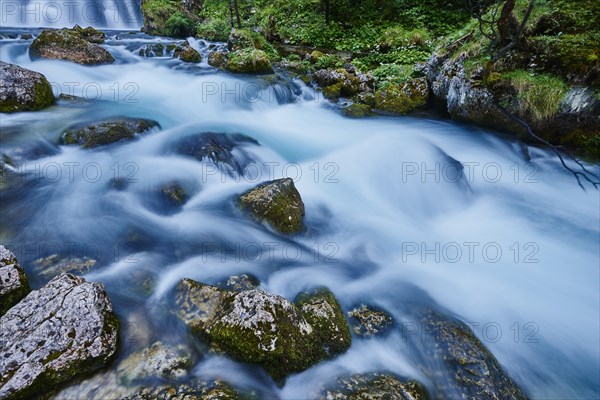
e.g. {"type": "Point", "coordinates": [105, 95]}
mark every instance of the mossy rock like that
{"type": "Point", "coordinates": [403, 98]}
{"type": "Point", "coordinates": [277, 203]}
{"type": "Point", "coordinates": [188, 54]}
{"type": "Point", "coordinates": [23, 90]}
{"type": "Point", "coordinates": [357, 110]}
{"type": "Point", "coordinates": [259, 327]}
{"type": "Point", "coordinates": [217, 59]}
{"type": "Point", "coordinates": [333, 91]}
{"type": "Point", "coordinates": [249, 61]}
{"type": "Point", "coordinates": [368, 321]}
{"type": "Point", "coordinates": [323, 312]}
{"type": "Point", "coordinates": [375, 386]}
{"type": "Point", "coordinates": [107, 132]}
{"type": "Point", "coordinates": [349, 83]}
{"type": "Point", "coordinates": [175, 194]}
{"type": "Point", "coordinates": [90, 34]}
{"type": "Point", "coordinates": [69, 45]}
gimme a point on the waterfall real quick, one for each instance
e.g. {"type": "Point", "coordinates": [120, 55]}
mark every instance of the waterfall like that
{"type": "Point", "coordinates": [107, 14]}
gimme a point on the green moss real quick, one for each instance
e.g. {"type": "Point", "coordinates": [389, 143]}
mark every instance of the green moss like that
{"type": "Point", "coordinates": [214, 29]}
{"type": "Point", "coordinates": [333, 91]}
{"type": "Point", "coordinates": [249, 61]}
{"type": "Point", "coordinates": [323, 312]}
{"type": "Point", "coordinates": [189, 54]}
{"type": "Point", "coordinates": [402, 98]}
{"type": "Point", "coordinates": [538, 96]}
{"type": "Point", "coordinates": [328, 61]}
{"type": "Point", "coordinates": [357, 110]}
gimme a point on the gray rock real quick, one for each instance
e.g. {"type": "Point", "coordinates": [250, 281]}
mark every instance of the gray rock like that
{"type": "Point", "coordinates": [470, 370]}
{"type": "Point", "coordinates": [23, 90]}
{"type": "Point", "coordinates": [277, 203]}
{"type": "Point", "coordinates": [69, 45]}
{"type": "Point", "coordinates": [217, 59]}
{"type": "Point", "coordinates": [367, 321]}
{"type": "Point", "coordinates": [203, 391]}
{"type": "Point", "coordinates": [259, 327]}
{"type": "Point", "coordinates": [13, 282]}
{"type": "Point", "coordinates": [158, 361]}
{"type": "Point", "coordinates": [108, 131]}
{"type": "Point", "coordinates": [375, 386]}
{"type": "Point", "coordinates": [62, 330]}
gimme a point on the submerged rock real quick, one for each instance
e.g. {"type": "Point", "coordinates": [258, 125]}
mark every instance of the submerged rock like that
{"type": "Point", "coordinates": [277, 203]}
{"type": "Point", "coordinates": [259, 327]}
{"type": "Point", "coordinates": [175, 194]}
{"type": "Point", "coordinates": [375, 386]}
{"type": "Point", "coordinates": [367, 321]}
{"type": "Point", "coordinates": [108, 131]}
{"type": "Point", "coordinates": [51, 266]}
{"type": "Point", "coordinates": [13, 281]}
{"type": "Point", "coordinates": [249, 61]}
{"type": "Point", "coordinates": [62, 330]}
{"type": "Point", "coordinates": [216, 147]}
{"type": "Point", "coordinates": [23, 90]}
{"type": "Point", "coordinates": [403, 98]}
{"type": "Point", "coordinates": [215, 391]}
{"type": "Point", "coordinates": [357, 110]}
{"type": "Point", "coordinates": [69, 45]}
{"type": "Point", "coordinates": [470, 370]}
{"type": "Point", "coordinates": [158, 361]}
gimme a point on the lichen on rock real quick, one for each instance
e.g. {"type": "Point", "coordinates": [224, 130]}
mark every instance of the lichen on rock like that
{"type": "Point", "coordinates": [277, 203]}
{"type": "Point", "coordinates": [65, 329]}
{"type": "Point", "coordinates": [23, 90]}
{"type": "Point", "coordinates": [73, 45]}
{"type": "Point", "coordinates": [13, 281]}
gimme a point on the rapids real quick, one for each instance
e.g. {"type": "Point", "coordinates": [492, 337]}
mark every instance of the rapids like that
{"type": "Point", "coordinates": [399, 210]}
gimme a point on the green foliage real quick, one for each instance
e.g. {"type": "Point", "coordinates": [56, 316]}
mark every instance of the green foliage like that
{"type": "Point", "coordinates": [179, 26]}
{"type": "Point", "coordinates": [388, 74]}
{"type": "Point", "coordinates": [329, 61]}
{"type": "Point", "coordinates": [213, 29]}
{"type": "Point", "coordinates": [537, 95]}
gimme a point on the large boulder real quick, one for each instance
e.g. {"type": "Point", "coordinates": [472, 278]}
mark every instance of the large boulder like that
{"type": "Point", "coordinates": [277, 203]}
{"type": "Point", "coordinates": [66, 328]}
{"type": "Point", "coordinates": [259, 327]}
{"type": "Point", "coordinates": [403, 98]}
{"type": "Point", "coordinates": [13, 282]}
{"type": "Point", "coordinates": [469, 369]}
{"type": "Point", "coordinates": [108, 131]}
{"type": "Point", "coordinates": [249, 61]}
{"type": "Point", "coordinates": [375, 386]}
{"type": "Point", "coordinates": [70, 45]}
{"type": "Point", "coordinates": [23, 90]}
{"type": "Point", "coordinates": [217, 59]}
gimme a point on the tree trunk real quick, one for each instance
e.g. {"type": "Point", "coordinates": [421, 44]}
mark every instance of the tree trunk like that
{"type": "Point", "coordinates": [237, 14]}
{"type": "Point", "coordinates": [327, 11]}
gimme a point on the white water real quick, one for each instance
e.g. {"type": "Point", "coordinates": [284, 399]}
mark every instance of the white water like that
{"type": "Point", "coordinates": [375, 217]}
{"type": "Point", "coordinates": [107, 14]}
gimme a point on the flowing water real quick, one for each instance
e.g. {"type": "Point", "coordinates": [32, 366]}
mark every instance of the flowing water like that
{"type": "Point", "coordinates": [400, 211]}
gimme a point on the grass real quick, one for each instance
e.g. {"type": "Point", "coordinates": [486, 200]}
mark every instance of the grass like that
{"type": "Point", "coordinates": [537, 95]}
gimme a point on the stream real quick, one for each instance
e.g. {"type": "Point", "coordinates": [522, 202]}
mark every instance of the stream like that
{"type": "Point", "coordinates": [399, 211]}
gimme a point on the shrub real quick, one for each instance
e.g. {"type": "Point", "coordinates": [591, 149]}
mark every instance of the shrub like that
{"type": "Point", "coordinates": [179, 26]}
